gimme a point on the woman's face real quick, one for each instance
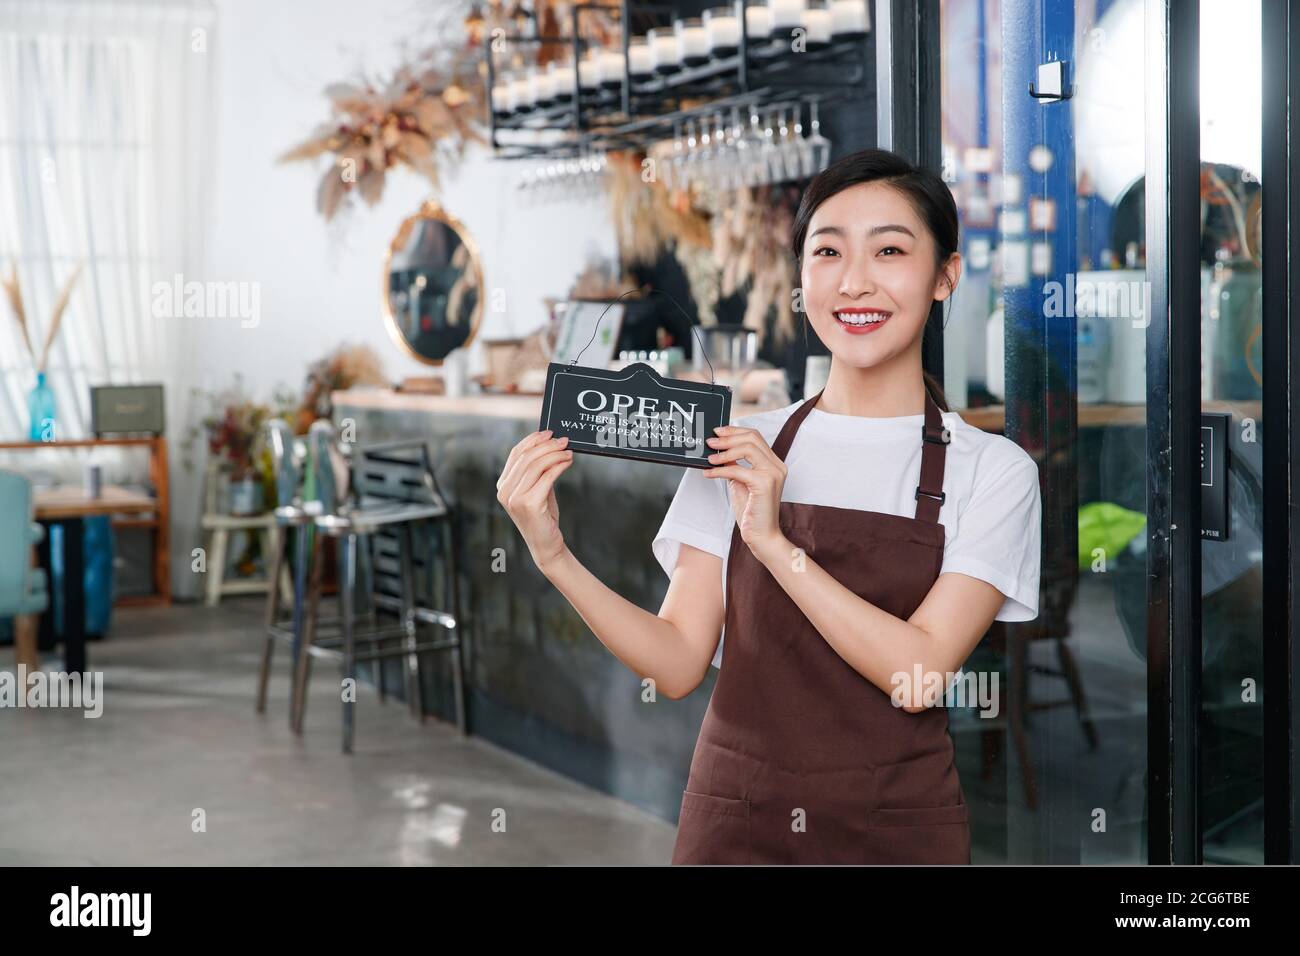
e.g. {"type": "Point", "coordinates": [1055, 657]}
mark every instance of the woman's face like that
{"type": "Point", "coordinates": [869, 274]}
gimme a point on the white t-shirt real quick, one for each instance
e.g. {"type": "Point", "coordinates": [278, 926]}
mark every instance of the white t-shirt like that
{"type": "Point", "coordinates": [990, 516]}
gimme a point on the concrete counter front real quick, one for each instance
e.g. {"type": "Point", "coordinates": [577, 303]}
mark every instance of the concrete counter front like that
{"type": "Point", "coordinates": [537, 680]}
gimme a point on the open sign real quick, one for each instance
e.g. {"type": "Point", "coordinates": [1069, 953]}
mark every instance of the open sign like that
{"type": "Point", "coordinates": [634, 413]}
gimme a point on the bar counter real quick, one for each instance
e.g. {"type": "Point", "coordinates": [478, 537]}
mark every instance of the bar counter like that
{"type": "Point", "coordinates": [538, 682]}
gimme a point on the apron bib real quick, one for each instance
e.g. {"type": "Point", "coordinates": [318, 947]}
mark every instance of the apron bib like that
{"type": "Point", "coordinates": [800, 758]}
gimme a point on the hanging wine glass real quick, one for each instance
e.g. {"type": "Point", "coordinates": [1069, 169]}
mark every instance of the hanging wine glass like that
{"type": "Point", "coordinates": [691, 159]}
{"type": "Point", "coordinates": [769, 153]}
{"type": "Point", "coordinates": [735, 151]}
{"type": "Point", "coordinates": [793, 147]}
{"type": "Point", "coordinates": [776, 153]}
{"type": "Point", "coordinates": [753, 149]}
{"type": "Point", "coordinates": [673, 162]}
{"type": "Point", "coordinates": [718, 154]}
{"type": "Point", "coordinates": [819, 146]}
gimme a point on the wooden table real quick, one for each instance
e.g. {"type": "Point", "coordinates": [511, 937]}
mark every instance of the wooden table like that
{"type": "Point", "coordinates": [156, 522]}
{"type": "Point", "coordinates": [67, 507]}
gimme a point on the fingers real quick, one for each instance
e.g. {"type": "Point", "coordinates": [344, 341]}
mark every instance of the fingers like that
{"type": "Point", "coordinates": [524, 455]}
{"type": "Point", "coordinates": [731, 436]}
{"type": "Point", "coordinates": [543, 489]}
{"type": "Point", "coordinates": [749, 477]}
{"type": "Point", "coordinates": [521, 448]}
{"type": "Point", "coordinates": [736, 452]}
{"type": "Point", "coordinates": [530, 473]}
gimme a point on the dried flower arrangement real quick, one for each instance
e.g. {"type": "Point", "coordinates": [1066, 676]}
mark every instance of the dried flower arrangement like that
{"type": "Point", "coordinates": [13, 293]}
{"type": "Point", "coordinates": [345, 367]}
{"type": "Point", "coordinates": [722, 242]}
{"type": "Point", "coordinates": [751, 242]}
{"type": "Point", "coordinates": [647, 217]}
{"type": "Point", "coordinates": [233, 426]}
{"type": "Point", "coordinates": [423, 117]}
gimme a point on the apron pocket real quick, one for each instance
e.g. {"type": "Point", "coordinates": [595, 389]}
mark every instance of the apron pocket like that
{"type": "Point", "coordinates": [918, 816]}
{"type": "Point", "coordinates": [919, 835]}
{"type": "Point", "coordinates": [712, 830]}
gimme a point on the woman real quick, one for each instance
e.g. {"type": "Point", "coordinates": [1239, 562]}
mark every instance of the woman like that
{"type": "Point", "coordinates": [872, 538]}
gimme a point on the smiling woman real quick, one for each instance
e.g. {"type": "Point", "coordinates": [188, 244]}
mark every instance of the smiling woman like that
{"type": "Point", "coordinates": [861, 534]}
{"type": "Point", "coordinates": [888, 274]}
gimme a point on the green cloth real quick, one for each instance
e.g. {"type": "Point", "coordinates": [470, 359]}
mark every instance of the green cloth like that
{"type": "Point", "coordinates": [1105, 525]}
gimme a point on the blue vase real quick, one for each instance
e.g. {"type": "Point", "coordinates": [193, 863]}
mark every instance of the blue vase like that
{"type": "Point", "coordinates": [40, 408]}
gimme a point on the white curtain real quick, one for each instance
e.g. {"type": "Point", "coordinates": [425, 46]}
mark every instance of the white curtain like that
{"type": "Point", "coordinates": [106, 134]}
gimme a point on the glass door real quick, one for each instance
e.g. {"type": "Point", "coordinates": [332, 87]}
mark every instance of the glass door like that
{"type": "Point", "coordinates": [1043, 133]}
{"type": "Point", "coordinates": [1132, 727]}
{"type": "Point", "coordinates": [1231, 731]}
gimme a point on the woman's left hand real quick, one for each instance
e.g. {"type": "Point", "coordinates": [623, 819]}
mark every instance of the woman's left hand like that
{"type": "Point", "coordinates": [755, 492]}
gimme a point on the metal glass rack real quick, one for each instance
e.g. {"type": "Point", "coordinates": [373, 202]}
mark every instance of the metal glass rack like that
{"type": "Point", "coordinates": [638, 111]}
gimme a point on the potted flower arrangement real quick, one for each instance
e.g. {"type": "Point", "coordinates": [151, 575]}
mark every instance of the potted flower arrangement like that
{"type": "Point", "coordinates": [345, 367]}
{"type": "Point", "coordinates": [233, 432]}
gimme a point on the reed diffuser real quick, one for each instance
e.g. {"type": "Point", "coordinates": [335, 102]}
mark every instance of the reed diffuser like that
{"type": "Point", "coordinates": [41, 408]}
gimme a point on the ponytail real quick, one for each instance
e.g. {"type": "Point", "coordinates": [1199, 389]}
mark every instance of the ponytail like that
{"type": "Point", "coordinates": [936, 391]}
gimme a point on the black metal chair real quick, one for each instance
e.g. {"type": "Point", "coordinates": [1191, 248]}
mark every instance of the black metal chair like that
{"type": "Point", "coordinates": [389, 493]}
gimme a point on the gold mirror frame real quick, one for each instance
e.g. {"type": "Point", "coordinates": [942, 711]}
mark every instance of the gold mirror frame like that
{"type": "Point", "coordinates": [431, 210]}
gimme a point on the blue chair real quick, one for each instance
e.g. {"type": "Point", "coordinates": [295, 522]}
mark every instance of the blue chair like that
{"type": "Point", "coordinates": [23, 588]}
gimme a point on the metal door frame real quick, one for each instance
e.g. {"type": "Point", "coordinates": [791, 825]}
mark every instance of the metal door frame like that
{"type": "Point", "coordinates": [908, 121]}
{"type": "Point", "coordinates": [1280, 221]}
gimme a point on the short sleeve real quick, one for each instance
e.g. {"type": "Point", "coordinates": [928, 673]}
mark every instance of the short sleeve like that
{"type": "Point", "coordinates": [999, 536]}
{"type": "Point", "coordinates": [700, 515]}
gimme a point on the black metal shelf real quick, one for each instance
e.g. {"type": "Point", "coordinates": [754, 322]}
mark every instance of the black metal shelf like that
{"type": "Point", "coordinates": [637, 111]}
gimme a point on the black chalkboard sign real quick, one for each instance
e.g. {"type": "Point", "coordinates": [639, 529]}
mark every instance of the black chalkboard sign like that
{"type": "Point", "coordinates": [634, 413]}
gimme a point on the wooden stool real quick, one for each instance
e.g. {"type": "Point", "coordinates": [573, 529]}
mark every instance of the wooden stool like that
{"type": "Point", "coordinates": [219, 528]}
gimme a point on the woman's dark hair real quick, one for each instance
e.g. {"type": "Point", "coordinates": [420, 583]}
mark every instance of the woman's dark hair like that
{"type": "Point", "coordinates": [925, 190]}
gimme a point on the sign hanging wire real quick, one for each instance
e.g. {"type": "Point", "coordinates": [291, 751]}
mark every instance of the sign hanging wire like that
{"type": "Point", "coordinates": [694, 328]}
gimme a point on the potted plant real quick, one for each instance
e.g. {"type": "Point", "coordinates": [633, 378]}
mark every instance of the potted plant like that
{"type": "Point", "coordinates": [233, 428]}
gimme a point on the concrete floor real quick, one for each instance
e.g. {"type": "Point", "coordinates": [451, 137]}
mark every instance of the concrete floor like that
{"type": "Point", "coordinates": [179, 734]}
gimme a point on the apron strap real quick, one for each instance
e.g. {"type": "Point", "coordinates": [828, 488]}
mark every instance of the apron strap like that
{"type": "Point", "coordinates": [786, 436]}
{"type": "Point", "coordinates": [934, 446]}
{"type": "Point", "coordinates": [935, 438]}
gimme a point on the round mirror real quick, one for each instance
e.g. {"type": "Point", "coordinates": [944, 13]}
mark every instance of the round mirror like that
{"type": "Point", "coordinates": [432, 283]}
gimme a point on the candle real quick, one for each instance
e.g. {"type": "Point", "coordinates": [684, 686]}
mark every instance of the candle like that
{"type": "Point", "coordinates": [540, 86]}
{"type": "Point", "coordinates": [611, 68]}
{"type": "Point", "coordinates": [817, 22]}
{"type": "Point", "coordinates": [521, 94]}
{"type": "Point", "coordinates": [561, 80]}
{"type": "Point", "coordinates": [501, 92]}
{"type": "Point", "coordinates": [786, 14]}
{"type": "Point", "coordinates": [588, 75]}
{"type": "Point", "coordinates": [849, 18]}
{"type": "Point", "coordinates": [663, 46]}
{"type": "Point", "coordinates": [723, 29]}
{"type": "Point", "coordinates": [758, 19]}
{"type": "Point", "coordinates": [640, 58]}
{"type": "Point", "coordinates": [692, 41]}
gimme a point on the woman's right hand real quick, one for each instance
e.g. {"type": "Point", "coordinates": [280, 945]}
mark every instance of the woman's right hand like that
{"type": "Point", "coordinates": [526, 489]}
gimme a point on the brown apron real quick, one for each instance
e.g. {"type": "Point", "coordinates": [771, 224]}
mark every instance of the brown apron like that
{"type": "Point", "coordinates": [800, 758]}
